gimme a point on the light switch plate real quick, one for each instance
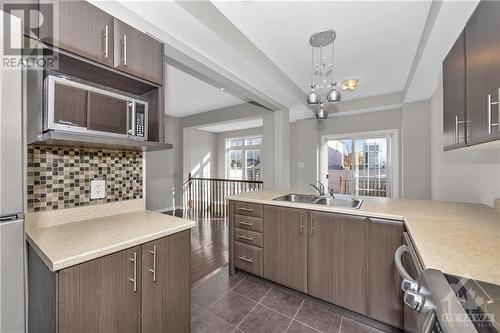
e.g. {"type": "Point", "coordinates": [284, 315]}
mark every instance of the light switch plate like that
{"type": "Point", "coordinates": [97, 189]}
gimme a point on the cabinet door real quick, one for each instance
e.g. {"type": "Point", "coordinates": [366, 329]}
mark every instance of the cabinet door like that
{"type": "Point", "coordinates": [79, 27]}
{"type": "Point", "coordinates": [385, 299]}
{"type": "Point", "coordinates": [137, 53]}
{"type": "Point", "coordinates": [337, 259]}
{"type": "Point", "coordinates": [101, 295]}
{"type": "Point", "coordinates": [70, 105]}
{"type": "Point", "coordinates": [482, 44]}
{"type": "Point", "coordinates": [107, 114]}
{"type": "Point", "coordinates": [454, 101]}
{"type": "Point", "coordinates": [322, 279]}
{"type": "Point", "coordinates": [351, 255]}
{"type": "Point", "coordinates": [166, 284]}
{"type": "Point", "coordinates": [285, 246]}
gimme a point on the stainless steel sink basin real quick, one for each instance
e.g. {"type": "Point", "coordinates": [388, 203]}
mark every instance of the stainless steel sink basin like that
{"type": "Point", "coordinates": [305, 198]}
{"type": "Point", "coordinates": [320, 200]}
{"type": "Point", "coordinates": [336, 202]}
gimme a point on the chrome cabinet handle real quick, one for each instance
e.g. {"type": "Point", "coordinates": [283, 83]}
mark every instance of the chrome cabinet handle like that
{"type": "Point", "coordinates": [490, 124]}
{"type": "Point", "coordinates": [106, 42]}
{"type": "Point", "coordinates": [134, 279]}
{"type": "Point", "coordinates": [246, 209]}
{"type": "Point", "coordinates": [153, 270]}
{"type": "Point", "coordinates": [124, 59]}
{"type": "Point", "coordinates": [245, 237]}
{"type": "Point", "coordinates": [311, 229]}
{"type": "Point", "coordinates": [246, 223]}
{"type": "Point", "coordinates": [459, 122]}
{"type": "Point", "coordinates": [250, 260]}
{"type": "Point", "coordinates": [301, 225]}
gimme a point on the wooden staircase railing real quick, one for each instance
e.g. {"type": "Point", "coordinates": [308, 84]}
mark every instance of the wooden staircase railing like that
{"type": "Point", "coordinates": [209, 194]}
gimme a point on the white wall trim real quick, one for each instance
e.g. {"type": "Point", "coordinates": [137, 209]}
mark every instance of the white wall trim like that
{"type": "Point", "coordinates": [394, 157]}
{"type": "Point", "coordinates": [164, 210]}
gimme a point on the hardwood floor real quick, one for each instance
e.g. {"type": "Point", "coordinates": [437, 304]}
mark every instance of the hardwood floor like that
{"type": "Point", "coordinates": [209, 243]}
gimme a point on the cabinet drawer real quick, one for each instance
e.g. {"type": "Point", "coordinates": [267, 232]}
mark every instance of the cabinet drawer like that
{"type": "Point", "coordinates": [248, 209]}
{"type": "Point", "coordinates": [248, 237]}
{"type": "Point", "coordinates": [248, 223]}
{"type": "Point", "coordinates": [248, 258]}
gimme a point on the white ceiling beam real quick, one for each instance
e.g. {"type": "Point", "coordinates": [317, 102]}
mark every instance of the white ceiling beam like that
{"type": "Point", "coordinates": [207, 14]}
{"type": "Point", "coordinates": [182, 55]}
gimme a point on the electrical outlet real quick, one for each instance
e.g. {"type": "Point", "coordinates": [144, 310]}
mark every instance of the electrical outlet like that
{"type": "Point", "coordinates": [97, 189]}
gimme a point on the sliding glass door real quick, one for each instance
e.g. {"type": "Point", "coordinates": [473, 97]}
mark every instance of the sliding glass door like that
{"type": "Point", "coordinates": [360, 166]}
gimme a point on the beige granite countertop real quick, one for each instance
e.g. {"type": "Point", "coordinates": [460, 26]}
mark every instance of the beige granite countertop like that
{"type": "Point", "coordinates": [68, 244]}
{"type": "Point", "coordinates": [457, 238]}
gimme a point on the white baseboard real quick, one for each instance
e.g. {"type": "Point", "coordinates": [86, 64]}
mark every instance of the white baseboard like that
{"type": "Point", "coordinates": [163, 210]}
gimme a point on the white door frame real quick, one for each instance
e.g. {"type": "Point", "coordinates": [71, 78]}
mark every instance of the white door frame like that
{"type": "Point", "coordinates": [394, 155]}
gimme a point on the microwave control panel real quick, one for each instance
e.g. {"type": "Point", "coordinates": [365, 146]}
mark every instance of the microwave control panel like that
{"type": "Point", "coordinates": [140, 119]}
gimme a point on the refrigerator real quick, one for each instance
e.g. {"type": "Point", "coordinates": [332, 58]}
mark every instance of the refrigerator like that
{"type": "Point", "coordinates": [12, 175]}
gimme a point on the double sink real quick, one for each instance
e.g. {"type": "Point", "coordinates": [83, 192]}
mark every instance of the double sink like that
{"type": "Point", "coordinates": [321, 200]}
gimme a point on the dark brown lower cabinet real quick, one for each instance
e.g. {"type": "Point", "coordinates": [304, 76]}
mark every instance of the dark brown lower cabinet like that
{"type": "Point", "coordinates": [384, 291]}
{"type": "Point", "coordinates": [97, 296]}
{"type": "Point", "coordinates": [285, 246]}
{"type": "Point", "coordinates": [337, 258]}
{"type": "Point", "coordinates": [343, 259]}
{"type": "Point", "coordinates": [142, 289]}
{"type": "Point", "coordinates": [166, 283]}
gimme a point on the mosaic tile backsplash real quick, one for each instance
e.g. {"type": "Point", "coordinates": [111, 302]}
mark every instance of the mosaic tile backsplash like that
{"type": "Point", "coordinates": [59, 177]}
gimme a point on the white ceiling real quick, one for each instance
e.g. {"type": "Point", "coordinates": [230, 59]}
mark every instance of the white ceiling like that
{"type": "Point", "coordinates": [233, 125]}
{"type": "Point", "coordinates": [376, 40]}
{"type": "Point", "coordinates": [376, 43]}
{"type": "Point", "coordinates": [187, 95]}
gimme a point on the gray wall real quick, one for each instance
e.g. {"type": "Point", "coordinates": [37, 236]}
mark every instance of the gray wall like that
{"type": "Point", "coordinates": [221, 146]}
{"type": "Point", "coordinates": [416, 159]}
{"type": "Point", "coordinates": [467, 174]}
{"type": "Point", "coordinates": [306, 136]}
{"type": "Point", "coordinates": [199, 153]}
{"type": "Point", "coordinates": [163, 171]}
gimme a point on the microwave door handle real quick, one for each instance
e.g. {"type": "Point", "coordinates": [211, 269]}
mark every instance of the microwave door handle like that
{"type": "Point", "coordinates": [130, 118]}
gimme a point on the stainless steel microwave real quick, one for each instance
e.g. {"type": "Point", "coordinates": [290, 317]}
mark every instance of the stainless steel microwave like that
{"type": "Point", "coordinates": [73, 106]}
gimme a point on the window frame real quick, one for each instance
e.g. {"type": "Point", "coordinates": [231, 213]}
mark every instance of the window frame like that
{"type": "Point", "coordinates": [243, 149]}
{"type": "Point", "coordinates": [392, 157]}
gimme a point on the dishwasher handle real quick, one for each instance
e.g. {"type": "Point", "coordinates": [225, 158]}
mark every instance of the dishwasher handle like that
{"type": "Point", "coordinates": [398, 259]}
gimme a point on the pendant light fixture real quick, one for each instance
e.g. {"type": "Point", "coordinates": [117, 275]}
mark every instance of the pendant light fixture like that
{"type": "Point", "coordinates": [323, 88]}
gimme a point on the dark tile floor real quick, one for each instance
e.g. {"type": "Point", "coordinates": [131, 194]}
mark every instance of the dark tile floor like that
{"type": "Point", "coordinates": [248, 304]}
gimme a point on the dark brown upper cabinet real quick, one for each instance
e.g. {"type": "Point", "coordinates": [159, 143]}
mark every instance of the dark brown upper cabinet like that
{"type": "Point", "coordinates": [137, 53]}
{"type": "Point", "coordinates": [471, 81]}
{"type": "Point", "coordinates": [79, 27]}
{"type": "Point", "coordinates": [482, 44]}
{"type": "Point", "coordinates": [454, 99]}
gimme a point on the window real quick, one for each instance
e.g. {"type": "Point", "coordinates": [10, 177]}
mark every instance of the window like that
{"type": "Point", "coordinates": [360, 166]}
{"type": "Point", "coordinates": [243, 158]}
